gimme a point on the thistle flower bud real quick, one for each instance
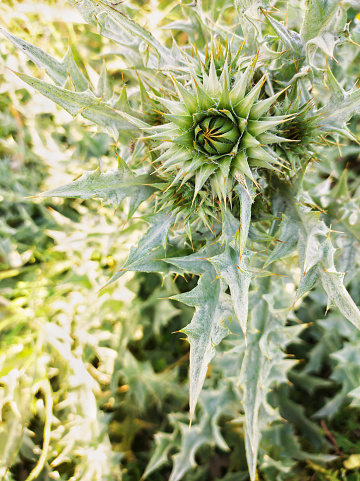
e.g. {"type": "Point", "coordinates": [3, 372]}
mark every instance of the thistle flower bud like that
{"type": "Point", "coordinates": [217, 131]}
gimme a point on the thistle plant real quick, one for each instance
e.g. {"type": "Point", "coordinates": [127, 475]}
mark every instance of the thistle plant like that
{"type": "Point", "coordinates": [217, 141]}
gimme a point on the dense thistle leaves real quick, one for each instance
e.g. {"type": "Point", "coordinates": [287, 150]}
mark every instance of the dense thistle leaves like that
{"type": "Point", "coordinates": [230, 132]}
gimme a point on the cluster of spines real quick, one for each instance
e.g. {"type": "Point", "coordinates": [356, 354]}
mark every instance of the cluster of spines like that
{"type": "Point", "coordinates": [302, 130]}
{"type": "Point", "coordinates": [180, 161]}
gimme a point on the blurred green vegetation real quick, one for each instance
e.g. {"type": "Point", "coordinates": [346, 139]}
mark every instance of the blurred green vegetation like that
{"type": "Point", "coordinates": [93, 385]}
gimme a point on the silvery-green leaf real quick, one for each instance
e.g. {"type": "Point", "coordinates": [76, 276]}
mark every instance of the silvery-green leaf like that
{"type": "Point", "coordinates": [231, 270]}
{"type": "Point", "coordinates": [150, 251]}
{"type": "Point", "coordinates": [264, 364]}
{"type": "Point", "coordinates": [214, 404]}
{"type": "Point", "coordinates": [154, 237]}
{"type": "Point", "coordinates": [286, 241]}
{"type": "Point", "coordinates": [246, 197]}
{"type": "Point", "coordinates": [345, 373]}
{"type": "Point", "coordinates": [84, 103]}
{"type": "Point", "coordinates": [341, 107]}
{"type": "Point", "coordinates": [349, 258]}
{"type": "Point", "coordinates": [103, 89]}
{"type": "Point", "coordinates": [206, 329]}
{"type": "Point", "coordinates": [307, 282]}
{"type": "Point", "coordinates": [95, 15]}
{"type": "Point", "coordinates": [153, 261]}
{"type": "Point", "coordinates": [249, 18]}
{"type": "Point", "coordinates": [290, 39]}
{"type": "Point", "coordinates": [333, 283]}
{"type": "Point", "coordinates": [323, 24]}
{"type": "Point", "coordinates": [160, 455]}
{"type": "Point", "coordinates": [191, 440]}
{"type": "Point", "coordinates": [325, 42]}
{"type": "Point", "coordinates": [230, 225]}
{"type": "Point", "coordinates": [255, 370]}
{"type": "Point", "coordinates": [118, 26]}
{"type": "Point", "coordinates": [112, 186]}
{"type": "Point", "coordinates": [355, 395]}
{"type": "Point", "coordinates": [310, 236]}
{"type": "Point", "coordinates": [196, 263]}
{"type": "Point", "coordinates": [318, 15]}
{"type": "Point", "coordinates": [57, 71]}
{"type": "Point", "coordinates": [188, 440]}
{"type": "Point", "coordinates": [309, 429]}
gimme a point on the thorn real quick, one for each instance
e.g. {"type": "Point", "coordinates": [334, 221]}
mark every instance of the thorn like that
{"type": "Point", "coordinates": [352, 41]}
{"type": "Point", "coordinates": [101, 288]}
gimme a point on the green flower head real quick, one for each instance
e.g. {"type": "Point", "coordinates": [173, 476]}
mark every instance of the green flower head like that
{"type": "Point", "coordinates": [216, 133]}
{"type": "Point", "coordinates": [218, 128]}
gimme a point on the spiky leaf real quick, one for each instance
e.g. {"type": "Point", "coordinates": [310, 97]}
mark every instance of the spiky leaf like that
{"type": "Point", "coordinates": [206, 329]}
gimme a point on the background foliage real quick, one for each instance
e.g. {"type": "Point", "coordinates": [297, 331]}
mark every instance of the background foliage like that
{"type": "Point", "coordinates": [93, 384]}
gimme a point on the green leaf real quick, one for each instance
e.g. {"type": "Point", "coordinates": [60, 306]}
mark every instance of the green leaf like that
{"type": "Point", "coordinates": [309, 245]}
{"type": "Point", "coordinates": [289, 38]}
{"type": "Point", "coordinates": [164, 443]}
{"type": "Point", "coordinates": [195, 263]}
{"type": "Point", "coordinates": [333, 283]}
{"type": "Point", "coordinates": [324, 21]}
{"type": "Point", "coordinates": [317, 15]}
{"type": "Point", "coordinates": [148, 255]}
{"type": "Point", "coordinates": [112, 186]}
{"type": "Point", "coordinates": [84, 103]}
{"type": "Point", "coordinates": [206, 329]}
{"type": "Point", "coordinates": [118, 26]}
{"type": "Point", "coordinates": [286, 242]}
{"type": "Point", "coordinates": [59, 72]}
{"type": "Point", "coordinates": [341, 107]}
{"type": "Point", "coordinates": [246, 197]}
{"type": "Point", "coordinates": [229, 269]}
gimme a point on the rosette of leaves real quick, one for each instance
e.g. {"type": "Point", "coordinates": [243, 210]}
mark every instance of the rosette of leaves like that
{"type": "Point", "coordinates": [233, 148]}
